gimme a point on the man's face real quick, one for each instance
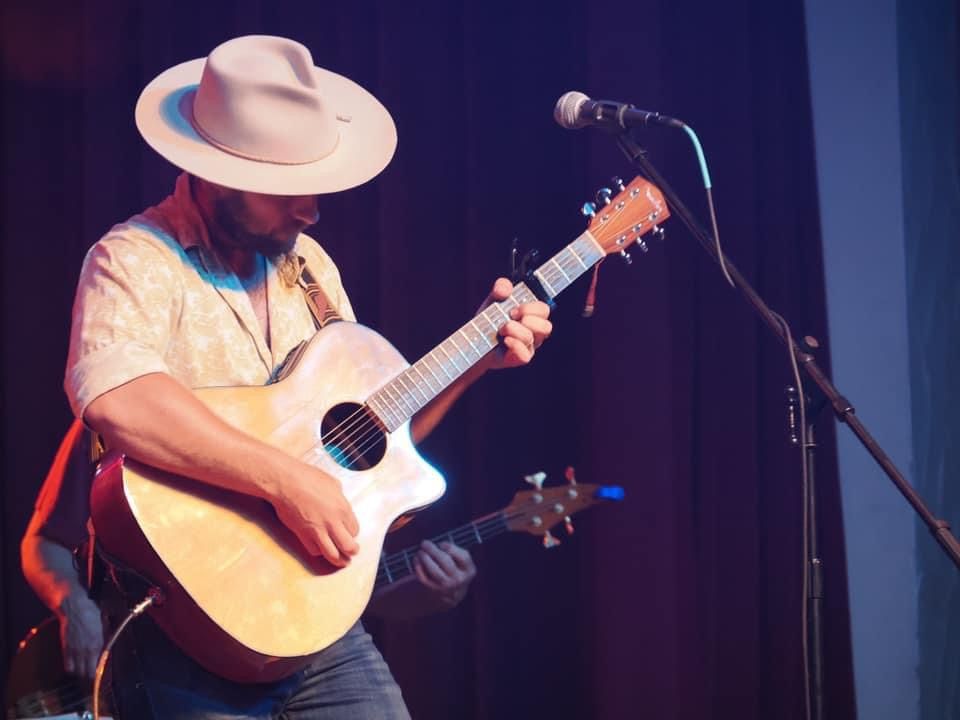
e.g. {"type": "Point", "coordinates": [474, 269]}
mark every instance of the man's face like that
{"type": "Point", "coordinates": [268, 224]}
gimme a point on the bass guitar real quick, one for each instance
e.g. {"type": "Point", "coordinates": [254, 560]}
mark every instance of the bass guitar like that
{"type": "Point", "coordinates": [532, 511]}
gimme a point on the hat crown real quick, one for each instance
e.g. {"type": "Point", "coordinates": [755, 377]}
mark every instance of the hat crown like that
{"type": "Point", "coordinates": [259, 98]}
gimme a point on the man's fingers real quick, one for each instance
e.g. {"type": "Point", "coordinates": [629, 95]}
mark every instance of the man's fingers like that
{"type": "Point", "coordinates": [344, 539]}
{"type": "Point", "coordinates": [441, 557]}
{"type": "Point", "coordinates": [438, 579]}
{"type": "Point", "coordinates": [351, 523]}
{"type": "Point", "coordinates": [501, 289]}
{"type": "Point", "coordinates": [461, 558]}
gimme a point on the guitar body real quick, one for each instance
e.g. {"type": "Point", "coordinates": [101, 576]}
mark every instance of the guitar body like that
{"type": "Point", "coordinates": [241, 596]}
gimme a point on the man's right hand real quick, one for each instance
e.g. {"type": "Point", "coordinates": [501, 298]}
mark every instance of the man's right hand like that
{"type": "Point", "coordinates": [314, 508]}
{"type": "Point", "coordinates": [81, 634]}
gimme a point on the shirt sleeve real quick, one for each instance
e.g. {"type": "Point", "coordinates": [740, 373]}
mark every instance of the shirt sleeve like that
{"type": "Point", "coordinates": [127, 302]}
{"type": "Point", "coordinates": [63, 504]}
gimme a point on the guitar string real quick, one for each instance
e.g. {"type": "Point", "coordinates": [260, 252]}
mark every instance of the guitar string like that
{"type": "Point", "coordinates": [397, 561]}
{"type": "Point", "coordinates": [41, 700]}
{"type": "Point", "coordinates": [360, 418]}
{"type": "Point", "coordinates": [372, 429]}
{"type": "Point", "coordinates": [603, 233]}
{"type": "Point", "coordinates": [341, 431]}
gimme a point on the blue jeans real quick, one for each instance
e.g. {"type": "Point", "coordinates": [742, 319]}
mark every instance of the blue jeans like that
{"type": "Point", "coordinates": [153, 680]}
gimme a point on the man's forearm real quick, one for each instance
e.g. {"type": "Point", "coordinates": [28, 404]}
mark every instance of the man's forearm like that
{"type": "Point", "coordinates": [160, 422]}
{"type": "Point", "coordinates": [49, 569]}
{"type": "Point", "coordinates": [426, 420]}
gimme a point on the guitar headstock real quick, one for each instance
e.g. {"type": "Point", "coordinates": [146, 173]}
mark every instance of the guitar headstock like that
{"type": "Point", "coordinates": [618, 221]}
{"type": "Point", "coordinates": [538, 511]}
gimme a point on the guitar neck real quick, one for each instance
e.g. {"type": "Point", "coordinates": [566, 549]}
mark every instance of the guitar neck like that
{"type": "Point", "coordinates": [401, 398]}
{"type": "Point", "coordinates": [400, 564]}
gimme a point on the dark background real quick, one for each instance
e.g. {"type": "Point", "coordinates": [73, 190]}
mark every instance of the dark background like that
{"type": "Point", "coordinates": [681, 602]}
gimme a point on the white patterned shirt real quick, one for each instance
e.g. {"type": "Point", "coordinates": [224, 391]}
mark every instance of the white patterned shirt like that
{"type": "Point", "coordinates": [154, 297]}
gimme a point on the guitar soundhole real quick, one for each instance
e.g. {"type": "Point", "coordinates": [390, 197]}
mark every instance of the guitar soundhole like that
{"type": "Point", "coordinates": [352, 436]}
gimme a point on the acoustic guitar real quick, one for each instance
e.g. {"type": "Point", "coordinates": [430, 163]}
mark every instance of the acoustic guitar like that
{"type": "Point", "coordinates": [240, 594]}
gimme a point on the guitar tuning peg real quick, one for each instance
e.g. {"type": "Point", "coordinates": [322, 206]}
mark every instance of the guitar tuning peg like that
{"type": "Point", "coordinates": [618, 183]}
{"type": "Point", "coordinates": [549, 541]}
{"type": "Point", "coordinates": [536, 479]}
{"type": "Point", "coordinates": [659, 233]}
{"type": "Point", "coordinates": [626, 257]}
{"type": "Point", "coordinates": [570, 474]}
{"type": "Point", "coordinates": [588, 210]}
{"type": "Point", "coordinates": [603, 196]}
{"type": "Point", "coordinates": [641, 243]}
{"type": "Point", "coordinates": [568, 524]}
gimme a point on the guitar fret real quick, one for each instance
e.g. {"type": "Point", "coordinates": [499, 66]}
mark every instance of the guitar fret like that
{"type": "Point", "coordinates": [400, 402]}
{"type": "Point", "coordinates": [573, 254]}
{"type": "Point", "coordinates": [385, 402]}
{"type": "Point", "coordinates": [480, 332]}
{"type": "Point", "coordinates": [475, 532]}
{"type": "Point", "coordinates": [546, 283]}
{"type": "Point", "coordinates": [467, 338]}
{"type": "Point", "coordinates": [386, 567]}
{"type": "Point", "coordinates": [406, 558]}
{"type": "Point", "coordinates": [427, 382]}
{"type": "Point", "coordinates": [442, 367]}
{"type": "Point", "coordinates": [560, 268]}
{"type": "Point", "coordinates": [589, 239]}
{"type": "Point", "coordinates": [506, 316]}
{"type": "Point", "coordinates": [494, 327]}
{"type": "Point", "coordinates": [407, 381]}
{"type": "Point", "coordinates": [453, 362]}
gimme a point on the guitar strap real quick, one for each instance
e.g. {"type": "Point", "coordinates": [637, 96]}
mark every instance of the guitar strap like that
{"type": "Point", "coordinates": [323, 313]}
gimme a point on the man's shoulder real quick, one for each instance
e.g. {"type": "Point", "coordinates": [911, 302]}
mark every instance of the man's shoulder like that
{"type": "Point", "coordinates": [310, 250]}
{"type": "Point", "coordinates": [139, 236]}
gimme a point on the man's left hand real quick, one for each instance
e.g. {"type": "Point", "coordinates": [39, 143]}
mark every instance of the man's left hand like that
{"type": "Point", "coordinates": [446, 569]}
{"type": "Point", "coordinates": [520, 336]}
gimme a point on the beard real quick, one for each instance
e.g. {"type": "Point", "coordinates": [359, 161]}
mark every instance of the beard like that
{"type": "Point", "coordinates": [230, 214]}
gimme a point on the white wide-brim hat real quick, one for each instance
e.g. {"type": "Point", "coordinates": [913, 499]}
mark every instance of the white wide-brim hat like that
{"type": "Point", "coordinates": [257, 115]}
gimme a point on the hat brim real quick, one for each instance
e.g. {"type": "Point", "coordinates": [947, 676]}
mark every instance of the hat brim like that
{"type": "Point", "coordinates": [368, 138]}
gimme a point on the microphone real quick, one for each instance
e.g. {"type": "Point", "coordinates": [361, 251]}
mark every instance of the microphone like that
{"type": "Point", "coordinates": [575, 110]}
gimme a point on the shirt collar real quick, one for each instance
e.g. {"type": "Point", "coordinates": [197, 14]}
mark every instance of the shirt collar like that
{"type": "Point", "coordinates": [180, 217]}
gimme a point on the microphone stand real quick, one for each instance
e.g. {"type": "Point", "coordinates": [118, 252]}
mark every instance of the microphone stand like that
{"type": "Point", "coordinates": [842, 408]}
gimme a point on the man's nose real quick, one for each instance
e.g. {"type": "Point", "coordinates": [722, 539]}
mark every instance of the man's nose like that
{"type": "Point", "coordinates": [304, 208]}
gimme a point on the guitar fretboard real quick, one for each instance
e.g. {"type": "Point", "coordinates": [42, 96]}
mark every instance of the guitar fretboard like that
{"type": "Point", "coordinates": [401, 398]}
{"type": "Point", "coordinates": [399, 565]}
